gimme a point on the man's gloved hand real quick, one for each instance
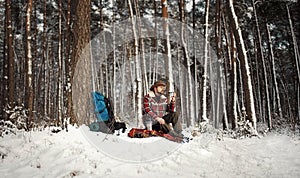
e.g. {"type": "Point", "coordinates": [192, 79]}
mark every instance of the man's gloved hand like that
{"type": "Point", "coordinates": [173, 98]}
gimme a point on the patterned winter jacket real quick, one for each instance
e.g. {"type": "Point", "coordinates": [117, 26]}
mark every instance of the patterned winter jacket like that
{"type": "Point", "coordinates": [154, 107]}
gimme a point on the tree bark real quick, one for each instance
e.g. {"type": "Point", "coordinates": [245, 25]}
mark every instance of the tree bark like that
{"type": "Point", "coordinates": [137, 68]}
{"type": "Point", "coordinates": [29, 92]}
{"type": "Point", "coordinates": [232, 70]}
{"type": "Point", "coordinates": [262, 59]}
{"type": "Point", "coordinates": [10, 53]}
{"type": "Point", "coordinates": [81, 37]}
{"type": "Point", "coordinates": [45, 59]}
{"type": "Point", "coordinates": [277, 96]}
{"type": "Point", "coordinates": [60, 68]}
{"type": "Point", "coordinates": [234, 100]}
{"type": "Point", "coordinates": [191, 110]}
{"type": "Point", "coordinates": [67, 61]}
{"type": "Point", "coordinates": [197, 83]}
{"type": "Point", "coordinates": [297, 57]}
{"type": "Point", "coordinates": [247, 85]}
{"type": "Point", "coordinates": [169, 66]}
{"type": "Point", "coordinates": [220, 64]}
{"type": "Point", "coordinates": [205, 73]}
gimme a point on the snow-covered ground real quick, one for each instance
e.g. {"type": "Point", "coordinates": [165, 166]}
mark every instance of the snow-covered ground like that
{"type": "Point", "coordinates": [73, 154]}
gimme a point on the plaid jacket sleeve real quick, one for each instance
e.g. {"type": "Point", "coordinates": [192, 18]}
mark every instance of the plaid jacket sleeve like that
{"type": "Point", "coordinates": [172, 107]}
{"type": "Point", "coordinates": [147, 108]}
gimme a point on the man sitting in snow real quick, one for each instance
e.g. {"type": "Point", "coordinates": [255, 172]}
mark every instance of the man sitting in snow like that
{"type": "Point", "coordinates": [159, 112]}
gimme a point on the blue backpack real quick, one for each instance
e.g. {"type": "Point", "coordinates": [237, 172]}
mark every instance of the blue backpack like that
{"type": "Point", "coordinates": [105, 115]}
{"type": "Point", "coordinates": [102, 106]}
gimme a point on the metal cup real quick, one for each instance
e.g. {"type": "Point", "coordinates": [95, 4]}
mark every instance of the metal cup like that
{"type": "Point", "coordinates": [149, 125]}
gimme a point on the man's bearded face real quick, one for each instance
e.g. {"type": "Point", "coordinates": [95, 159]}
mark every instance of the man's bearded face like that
{"type": "Point", "coordinates": [160, 90]}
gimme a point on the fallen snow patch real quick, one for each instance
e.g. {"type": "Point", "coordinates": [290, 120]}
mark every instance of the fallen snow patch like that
{"type": "Point", "coordinates": [70, 154]}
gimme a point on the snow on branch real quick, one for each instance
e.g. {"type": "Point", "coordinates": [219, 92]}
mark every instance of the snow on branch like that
{"type": "Point", "coordinates": [16, 119]}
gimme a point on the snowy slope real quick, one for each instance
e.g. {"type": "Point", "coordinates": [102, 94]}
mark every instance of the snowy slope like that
{"type": "Point", "coordinates": [70, 154]}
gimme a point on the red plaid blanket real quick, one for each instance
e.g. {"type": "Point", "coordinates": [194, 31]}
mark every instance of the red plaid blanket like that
{"type": "Point", "coordinates": [143, 133]}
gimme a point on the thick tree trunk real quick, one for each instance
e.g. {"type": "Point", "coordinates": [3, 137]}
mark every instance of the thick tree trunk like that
{"type": "Point", "coordinates": [81, 37]}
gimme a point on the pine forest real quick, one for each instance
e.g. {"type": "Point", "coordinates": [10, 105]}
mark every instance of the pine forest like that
{"type": "Point", "coordinates": [234, 65]}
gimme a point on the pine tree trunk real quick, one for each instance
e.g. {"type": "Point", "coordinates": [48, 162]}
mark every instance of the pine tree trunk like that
{"type": "Point", "coordinates": [234, 82]}
{"type": "Point", "coordinates": [60, 68]}
{"type": "Point", "coordinates": [205, 65]}
{"type": "Point", "coordinates": [231, 67]}
{"type": "Point", "coordinates": [81, 37]}
{"type": "Point", "coordinates": [113, 91]}
{"type": "Point", "coordinates": [45, 59]}
{"type": "Point", "coordinates": [123, 81]}
{"type": "Point", "coordinates": [183, 115]}
{"type": "Point", "coordinates": [277, 96]}
{"type": "Point", "coordinates": [68, 59]}
{"type": "Point", "coordinates": [186, 89]}
{"type": "Point", "coordinates": [187, 58]}
{"type": "Point", "coordinates": [10, 54]}
{"type": "Point", "coordinates": [144, 76]}
{"type": "Point", "coordinates": [105, 89]}
{"type": "Point", "coordinates": [167, 46]}
{"type": "Point", "coordinates": [155, 46]}
{"type": "Point", "coordinates": [262, 59]}
{"type": "Point", "coordinates": [2, 66]}
{"type": "Point", "coordinates": [101, 27]}
{"type": "Point", "coordinates": [259, 94]}
{"type": "Point", "coordinates": [51, 98]}
{"type": "Point", "coordinates": [297, 56]}
{"type": "Point", "coordinates": [298, 101]}
{"type": "Point", "coordinates": [133, 87]}
{"type": "Point", "coordinates": [144, 65]}
{"type": "Point", "coordinates": [137, 68]}
{"type": "Point", "coordinates": [296, 49]}
{"type": "Point", "coordinates": [34, 52]}
{"type": "Point", "coordinates": [4, 77]}
{"type": "Point", "coordinates": [29, 73]}
{"type": "Point", "coordinates": [287, 97]}
{"type": "Point", "coordinates": [250, 109]}
{"type": "Point", "coordinates": [220, 70]}
{"type": "Point", "coordinates": [197, 86]}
